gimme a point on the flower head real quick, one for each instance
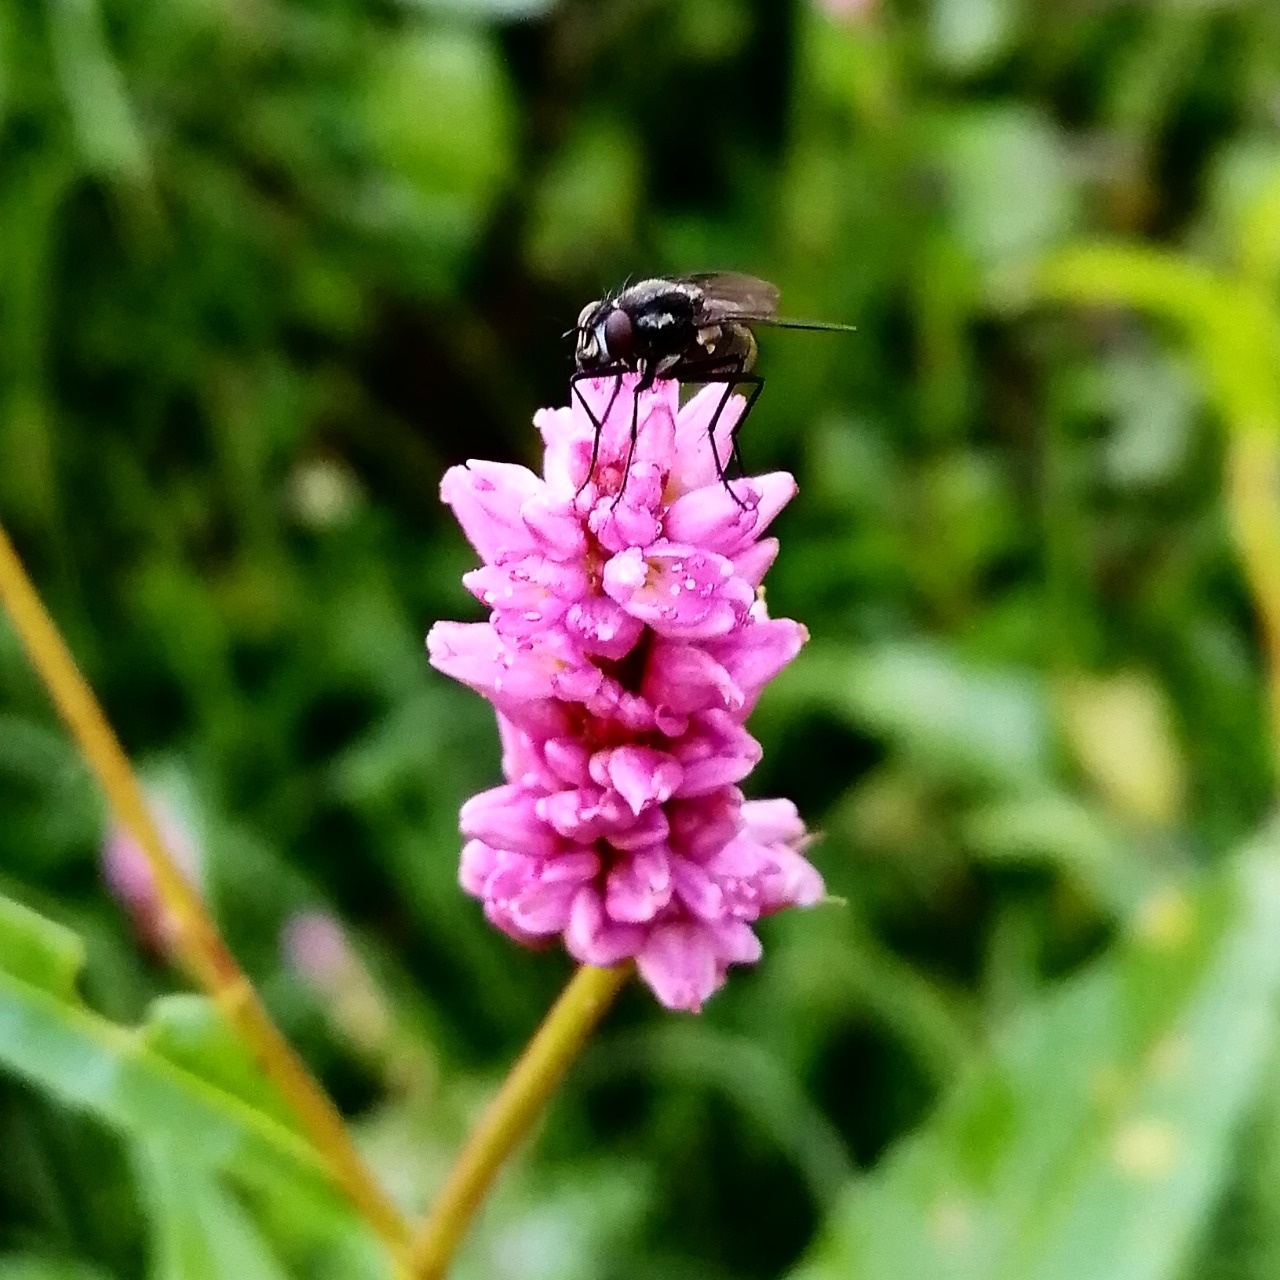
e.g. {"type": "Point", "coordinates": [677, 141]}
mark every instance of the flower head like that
{"type": "Point", "coordinates": [627, 642]}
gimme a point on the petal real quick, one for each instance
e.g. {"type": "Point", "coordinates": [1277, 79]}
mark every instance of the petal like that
{"type": "Point", "coordinates": [567, 758]}
{"type": "Point", "coordinates": [501, 669]}
{"type": "Point", "coordinates": [695, 461]}
{"type": "Point", "coordinates": [754, 654]}
{"type": "Point", "coordinates": [584, 814]}
{"type": "Point", "coordinates": [752, 564]}
{"type": "Point", "coordinates": [486, 497]}
{"type": "Point", "coordinates": [506, 818]}
{"type": "Point", "coordinates": [735, 942]}
{"type": "Point", "coordinates": [650, 827]}
{"type": "Point", "coordinates": [715, 752]}
{"type": "Point", "coordinates": [639, 886]}
{"type": "Point", "coordinates": [775, 490]}
{"type": "Point", "coordinates": [702, 826]}
{"type": "Point", "coordinates": [793, 881]}
{"type": "Point", "coordinates": [602, 628]}
{"type": "Point", "coordinates": [685, 678]}
{"type": "Point", "coordinates": [697, 890]}
{"type": "Point", "coordinates": [555, 526]}
{"type": "Point", "coordinates": [710, 518]}
{"type": "Point", "coordinates": [773, 821]}
{"type": "Point", "coordinates": [471, 652]}
{"type": "Point", "coordinates": [640, 775]}
{"type": "Point", "coordinates": [680, 965]}
{"type": "Point", "coordinates": [634, 518]}
{"type": "Point", "coordinates": [477, 864]}
{"type": "Point", "coordinates": [592, 938]}
{"type": "Point", "coordinates": [544, 906]}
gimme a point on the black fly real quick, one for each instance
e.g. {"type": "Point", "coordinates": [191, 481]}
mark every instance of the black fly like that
{"type": "Point", "coordinates": [693, 328]}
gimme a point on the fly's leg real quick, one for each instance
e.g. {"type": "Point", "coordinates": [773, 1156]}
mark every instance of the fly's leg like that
{"type": "Point", "coordinates": [597, 424]}
{"type": "Point", "coordinates": [756, 383]}
{"type": "Point", "coordinates": [732, 376]}
{"type": "Point", "coordinates": [646, 381]}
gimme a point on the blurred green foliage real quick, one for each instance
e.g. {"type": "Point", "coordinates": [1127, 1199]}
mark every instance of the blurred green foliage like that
{"type": "Point", "coordinates": [268, 266]}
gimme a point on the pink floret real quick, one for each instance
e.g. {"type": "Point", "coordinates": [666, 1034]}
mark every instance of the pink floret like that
{"type": "Point", "coordinates": [627, 641]}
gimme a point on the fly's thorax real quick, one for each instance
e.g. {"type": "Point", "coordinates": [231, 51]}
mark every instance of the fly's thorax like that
{"type": "Point", "coordinates": [664, 324]}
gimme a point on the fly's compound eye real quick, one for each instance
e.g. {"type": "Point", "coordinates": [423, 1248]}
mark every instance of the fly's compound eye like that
{"type": "Point", "coordinates": [618, 334]}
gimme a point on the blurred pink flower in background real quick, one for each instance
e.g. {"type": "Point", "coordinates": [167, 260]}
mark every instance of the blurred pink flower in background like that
{"type": "Point", "coordinates": [315, 947]}
{"type": "Point", "coordinates": [627, 642]}
{"type": "Point", "coordinates": [130, 880]}
{"type": "Point", "coordinates": [849, 10]}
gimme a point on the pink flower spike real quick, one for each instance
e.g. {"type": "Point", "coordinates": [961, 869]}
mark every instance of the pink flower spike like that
{"type": "Point", "coordinates": [626, 644]}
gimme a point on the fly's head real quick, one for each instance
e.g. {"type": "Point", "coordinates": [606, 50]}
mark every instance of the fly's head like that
{"type": "Point", "coordinates": [606, 337]}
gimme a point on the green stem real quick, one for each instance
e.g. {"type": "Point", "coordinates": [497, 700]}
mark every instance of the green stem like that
{"type": "Point", "coordinates": [1253, 481]}
{"type": "Point", "coordinates": [511, 1114]}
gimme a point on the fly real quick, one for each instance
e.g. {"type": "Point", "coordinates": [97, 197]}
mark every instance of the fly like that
{"type": "Point", "coordinates": [694, 328]}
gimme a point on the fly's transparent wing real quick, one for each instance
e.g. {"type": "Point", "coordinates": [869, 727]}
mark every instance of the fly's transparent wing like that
{"type": "Point", "coordinates": [729, 295]}
{"type": "Point", "coordinates": [741, 299]}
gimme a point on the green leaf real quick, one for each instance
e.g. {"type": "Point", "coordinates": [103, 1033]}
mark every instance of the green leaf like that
{"type": "Point", "coordinates": [985, 724]}
{"type": "Point", "coordinates": [47, 1266]}
{"type": "Point", "coordinates": [491, 10]}
{"type": "Point", "coordinates": [1096, 1140]}
{"type": "Point", "coordinates": [200, 1232]}
{"type": "Point", "coordinates": [1061, 831]}
{"type": "Point", "coordinates": [191, 1033]}
{"type": "Point", "coordinates": [1233, 329]}
{"type": "Point", "coordinates": [39, 952]}
{"type": "Point", "coordinates": [51, 1039]}
{"type": "Point", "coordinates": [97, 99]}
